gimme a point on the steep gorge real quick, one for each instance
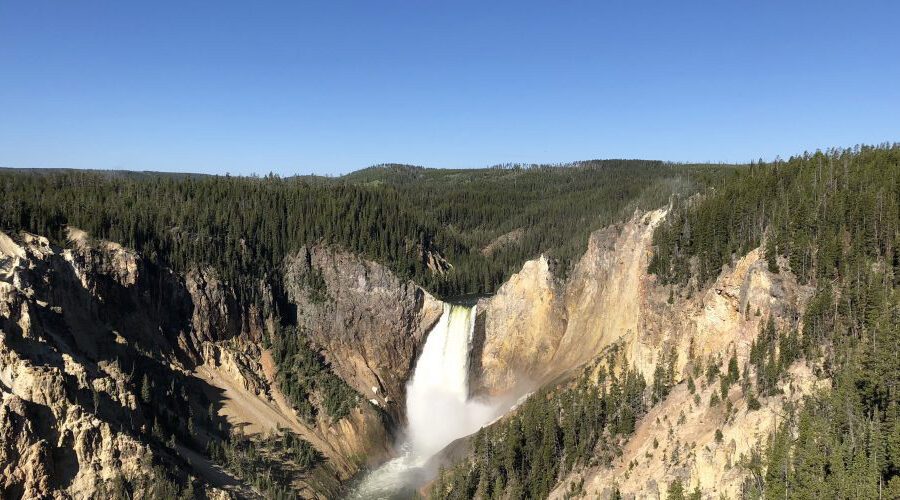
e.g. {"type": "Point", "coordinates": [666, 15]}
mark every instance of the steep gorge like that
{"type": "Point", "coordinates": [370, 327]}
{"type": "Point", "coordinates": [95, 306]}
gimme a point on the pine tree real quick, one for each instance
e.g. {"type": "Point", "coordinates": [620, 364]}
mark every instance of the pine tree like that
{"type": "Point", "coordinates": [146, 390]}
{"type": "Point", "coordinates": [675, 490]}
{"type": "Point", "coordinates": [771, 255]}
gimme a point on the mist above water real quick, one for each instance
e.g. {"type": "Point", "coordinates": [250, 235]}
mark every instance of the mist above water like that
{"type": "Point", "coordinates": [438, 407]}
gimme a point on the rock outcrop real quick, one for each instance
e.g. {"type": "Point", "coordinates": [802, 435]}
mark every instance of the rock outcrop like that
{"type": "Point", "coordinates": [28, 468]}
{"type": "Point", "coordinates": [518, 331]}
{"type": "Point", "coordinates": [604, 294]}
{"type": "Point", "coordinates": [369, 323]}
{"type": "Point", "coordinates": [56, 441]}
{"type": "Point", "coordinates": [216, 315]}
{"type": "Point", "coordinates": [537, 327]}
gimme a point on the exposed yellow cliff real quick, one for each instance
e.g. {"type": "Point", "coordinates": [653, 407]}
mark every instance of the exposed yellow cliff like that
{"type": "Point", "coordinates": [538, 327]}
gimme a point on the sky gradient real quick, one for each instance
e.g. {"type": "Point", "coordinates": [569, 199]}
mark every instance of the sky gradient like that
{"type": "Point", "coordinates": [330, 87]}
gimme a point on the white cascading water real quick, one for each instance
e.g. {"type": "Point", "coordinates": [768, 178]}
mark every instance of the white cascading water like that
{"type": "Point", "coordinates": [438, 407]}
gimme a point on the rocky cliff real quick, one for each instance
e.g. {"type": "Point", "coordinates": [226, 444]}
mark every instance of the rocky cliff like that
{"type": "Point", "coordinates": [70, 420]}
{"type": "Point", "coordinates": [518, 330]}
{"type": "Point", "coordinates": [538, 327]}
{"type": "Point", "coordinates": [369, 323]}
{"type": "Point", "coordinates": [111, 366]}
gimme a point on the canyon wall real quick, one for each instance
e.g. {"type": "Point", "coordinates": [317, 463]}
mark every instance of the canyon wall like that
{"type": "Point", "coordinates": [69, 319]}
{"type": "Point", "coordinates": [539, 328]}
{"type": "Point", "coordinates": [517, 331]}
{"type": "Point", "coordinates": [369, 323]}
{"type": "Point", "coordinates": [678, 439]}
{"type": "Point", "coordinates": [76, 321]}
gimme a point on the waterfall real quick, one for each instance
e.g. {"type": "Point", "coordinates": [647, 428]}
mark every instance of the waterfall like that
{"type": "Point", "coordinates": [438, 407]}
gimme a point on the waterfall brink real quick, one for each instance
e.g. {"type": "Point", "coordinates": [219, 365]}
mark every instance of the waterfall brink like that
{"type": "Point", "coordinates": [438, 407]}
{"type": "Point", "coordinates": [443, 364]}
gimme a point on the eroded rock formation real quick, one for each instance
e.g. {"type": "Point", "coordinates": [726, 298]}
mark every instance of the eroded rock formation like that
{"type": "Point", "coordinates": [518, 331]}
{"type": "Point", "coordinates": [75, 322]}
{"type": "Point", "coordinates": [539, 327]}
{"type": "Point", "coordinates": [65, 396]}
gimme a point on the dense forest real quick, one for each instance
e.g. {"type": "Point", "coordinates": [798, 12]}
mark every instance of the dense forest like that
{"type": "Point", "coordinates": [244, 227]}
{"type": "Point", "coordinates": [832, 219]}
{"type": "Point", "coordinates": [404, 217]}
{"type": "Point", "coordinates": [511, 213]}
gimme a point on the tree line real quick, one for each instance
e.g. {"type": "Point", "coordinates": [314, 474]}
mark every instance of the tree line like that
{"type": "Point", "coordinates": [545, 209]}
{"type": "Point", "coordinates": [400, 216]}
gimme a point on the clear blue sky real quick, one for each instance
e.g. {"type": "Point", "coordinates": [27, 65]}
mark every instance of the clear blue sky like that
{"type": "Point", "coordinates": [332, 86]}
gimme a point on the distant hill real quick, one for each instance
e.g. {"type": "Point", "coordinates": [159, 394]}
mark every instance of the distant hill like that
{"type": "Point", "coordinates": [126, 174]}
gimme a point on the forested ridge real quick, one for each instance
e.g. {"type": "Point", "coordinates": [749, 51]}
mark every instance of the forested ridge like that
{"type": "Point", "coordinates": [833, 219]}
{"type": "Point", "coordinates": [512, 213]}
{"type": "Point", "coordinates": [404, 217]}
{"type": "Point", "coordinates": [243, 227]}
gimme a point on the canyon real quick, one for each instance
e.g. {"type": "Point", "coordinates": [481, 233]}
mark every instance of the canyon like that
{"type": "Point", "coordinates": [75, 319]}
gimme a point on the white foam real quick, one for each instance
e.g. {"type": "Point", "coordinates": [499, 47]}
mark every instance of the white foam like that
{"type": "Point", "coordinates": [438, 407]}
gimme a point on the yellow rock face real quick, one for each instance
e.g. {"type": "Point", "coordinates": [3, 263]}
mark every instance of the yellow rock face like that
{"type": "Point", "coordinates": [523, 324]}
{"type": "Point", "coordinates": [537, 328]}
